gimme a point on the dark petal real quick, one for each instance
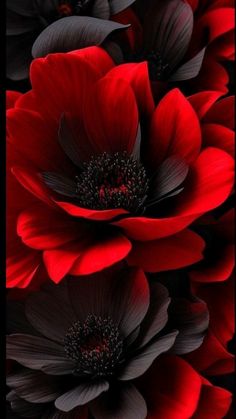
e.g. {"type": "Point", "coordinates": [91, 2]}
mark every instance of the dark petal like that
{"type": "Point", "coordinates": [132, 337]}
{"type": "Point", "coordinates": [157, 315]}
{"type": "Point", "coordinates": [22, 7]}
{"type": "Point", "coordinates": [190, 69]}
{"type": "Point", "coordinates": [17, 322]}
{"type": "Point", "coordinates": [124, 296]}
{"type": "Point", "coordinates": [123, 403]}
{"type": "Point", "coordinates": [73, 32]}
{"type": "Point", "coordinates": [36, 352]}
{"type": "Point", "coordinates": [80, 395]}
{"type": "Point", "coordinates": [167, 30]}
{"type": "Point", "coordinates": [141, 362]}
{"type": "Point", "coordinates": [34, 386]}
{"type": "Point", "coordinates": [136, 150]}
{"type": "Point", "coordinates": [24, 408]}
{"type": "Point", "coordinates": [192, 320]}
{"type": "Point", "coordinates": [19, 55]}
{"type": "Point", "coordinates": [49, 316]}
{"type": "Point", "coordinates": [117, 6]}
{"type": "Point", "coordinates": [60, 184]}
{"type": "Point", "coordinates": [17, 24]}
{"type": "Point", "coordinates": [169, 176]}
{"type": "Point", "coordinates": [114, 51]}
{"type": "Point", "coordinates": [101, 9]}
{"type": "Point", "coordinates": [68, 142]}
{"type": "Point", "coordinates": [78, 413]}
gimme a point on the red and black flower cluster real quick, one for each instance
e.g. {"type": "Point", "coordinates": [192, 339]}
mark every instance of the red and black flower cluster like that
{"type": "Point", "coordinates": [120, 176]}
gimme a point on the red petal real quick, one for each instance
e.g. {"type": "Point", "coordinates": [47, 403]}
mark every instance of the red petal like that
{"type": "Point", "coordinates": [175, 394]}
{"type": "Point", "coordinates": [214, 403]}
{"type": "Point", "coordinates": [222, 113]}
{"type": "Point", "coordinates": [215, 135]}
{"type": "Point", "coordinates": [42, 228]}
{"type": "Point", "coordinates": [11, 98]}
{"type": "Point", "coordinates": [58, 262]}
{"type": "Point", "coordinates": [182, 249]}
{"type": "Point", "coordinates": [36, 140]}
{"type": "Point", "coordinates": [134, 34]}
{"type": "Point", "coordinates": [211, 357]}
{"type": "Point", "coordinates": [217, 22]}
{"type": "Point", "coordinates": [21, 267]}
{"type": "Point", "coordinates": [175, 130]}
{"type": "Point", "coordinates": [57, 86]}
{"type": "Point", "coordinates": [137, 76]}
{"type": "Point", "coordinates": [31, 181]}
{"type": "Point", "coordinates": [203, 101]}
{"type": "Point", "coordinates": [103, 215]}
{"type": "Point", "coordinates": [100, 255]}
{"type": "Point", "coordinates": [111, 119]}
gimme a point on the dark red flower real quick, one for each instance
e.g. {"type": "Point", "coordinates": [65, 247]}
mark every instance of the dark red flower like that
{"type": "Point", "coordinates": [110, 172]}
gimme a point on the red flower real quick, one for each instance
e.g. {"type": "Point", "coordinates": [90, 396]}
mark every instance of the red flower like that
{"type": "Point", "coordinates": [213, 357]}
{"type": "Point", "coordinates": [109, 173]}
{"type": "Point", "coordinates": [174, 390]}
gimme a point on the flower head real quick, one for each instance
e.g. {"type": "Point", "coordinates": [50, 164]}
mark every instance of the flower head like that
{"type": "Point", "coordinates": [83, 340]}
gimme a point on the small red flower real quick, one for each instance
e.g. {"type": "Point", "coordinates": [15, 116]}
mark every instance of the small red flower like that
{"type": "Point", "coordinates": [109, 172]}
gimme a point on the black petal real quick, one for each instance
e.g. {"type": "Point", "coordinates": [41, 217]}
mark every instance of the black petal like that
{"type": "Point", "coordinates": [60, 184]}
{"type": "Point", "coordinates": [80, 395]}
{"type": "Point", "coordinates": [16, 319]}
{"type": "Point", "coordinates": [141, 362]}
{"type": "Point", "coordinates": [37, 353]}
{"type": "Point", "coordinates": [119, 5]}
{"type": "Point", "coordinates": [167, 179]}
{"type": "Point", "coordinates": [19, 55]}
{"type": "Point", "coordinates": [24, 408]}
{"type": "Point", "coordinates": [123, 403]}
{"type": "Point", "coordinates": [50, 316]}
{"type": "Point", "coordinates": [190, 69]}
{"type": "Point", "coordinates": [73, 32]}
{"type": "Point", "coordinates": [22, 7]}
{"type": "Point", "coordinates": [114, 51]}
{"type": "Point", "coordinates": [124, 297]}
{"type": "Point", "coordinates": [191, 318]}
{"type": "Point", "coordinates": [101, 9]}
{"type": "Point", "coordinates": [168, 28]}
{"type": "Point", "coordinates": [17, 24]}
{"type": "Point", "coordinates": [34, 386]}
{"type": "Point", "coordinates": [157, 315]}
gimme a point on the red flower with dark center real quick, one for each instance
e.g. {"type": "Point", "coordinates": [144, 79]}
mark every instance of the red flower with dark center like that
{"type": "Point", "coordinates": [110, 172]}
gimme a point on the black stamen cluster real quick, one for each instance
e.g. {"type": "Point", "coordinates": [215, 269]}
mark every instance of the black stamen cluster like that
{"type": "Point", "coordinates": [95, 346]}
{"type": "Point", "coordinates": [157, 68]}
{"type": "Point", "coordinates": [112, 181]}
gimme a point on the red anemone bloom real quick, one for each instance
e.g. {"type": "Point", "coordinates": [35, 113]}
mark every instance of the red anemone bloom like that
{"type": "Point", "coordinates": [108, 172]}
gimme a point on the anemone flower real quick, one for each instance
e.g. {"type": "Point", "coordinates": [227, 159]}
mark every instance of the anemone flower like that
{"type": "Point", "coordinates": [83, 343]}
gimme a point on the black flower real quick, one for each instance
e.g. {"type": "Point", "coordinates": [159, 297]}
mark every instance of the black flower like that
{"type": "Point", "coordinates": [37, 27]}
{"type": "Point", "coordinates": [82, 344]}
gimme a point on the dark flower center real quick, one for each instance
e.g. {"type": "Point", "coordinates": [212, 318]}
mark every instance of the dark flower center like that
{"type": "Point", "coordinates": [112, 181]}
{"type": "Point", "coordinates": [95, 346]}
{"type": "Point", "coordinates": [68, 8]}
{"type": "Point", "coordinates": [158, 69]}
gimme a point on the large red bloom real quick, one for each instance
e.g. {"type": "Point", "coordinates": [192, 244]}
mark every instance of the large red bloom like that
{"type": "Point", "coordinates": [108, 172]}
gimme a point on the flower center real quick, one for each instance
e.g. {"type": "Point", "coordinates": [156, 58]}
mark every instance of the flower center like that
{"type": "Point", "coordinates": [72, 7]}
{"type": "Point", "coordinates": [95, 346]}
{"type": "Point", "coordinates": [112, 181]}
{"type": "Point", "coordinates": [157, 68]}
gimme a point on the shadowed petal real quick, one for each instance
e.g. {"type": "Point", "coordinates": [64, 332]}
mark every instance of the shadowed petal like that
{"type": "Point", "coordinates": [80, 395]}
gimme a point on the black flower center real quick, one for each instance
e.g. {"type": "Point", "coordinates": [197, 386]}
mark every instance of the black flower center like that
{"type": "Point", "coordinates": [73, 7]}
{"type": "Point", "coordinates": [95, 346]}
{"type": "Point", "coordinates": [112, 181]}
{"type": "Point", "coordinates": [158, 69]}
